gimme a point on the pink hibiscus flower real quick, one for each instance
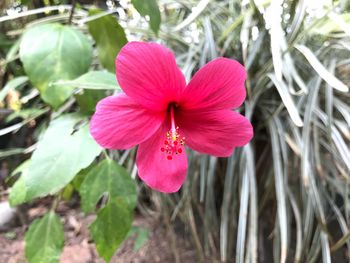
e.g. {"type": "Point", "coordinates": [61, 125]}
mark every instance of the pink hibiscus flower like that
{"type": "Point", "coordinates": [161, 114]}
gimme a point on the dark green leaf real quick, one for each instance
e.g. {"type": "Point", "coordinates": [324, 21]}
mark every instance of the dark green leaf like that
{"type": "Point", "coordinates": [110, 228]}
{"type": "Point", "coordinates": [67, 192]}
{"type": "Point", "coordinates": [79, 178]}
{"type": "Point", "coordinates": [149, 8]}
{"type": "Point", "coordinates": [109, 36]}
{"type": "Point", "coordinates": [88, 99]}
{"type": "Point", "coordinates": [44, 239]}
{"type": "Point", "coordinates": [107, 177]}
{"type": "Point", "coordinates": [54, 52]}
{"type": "Point", "coordinates": [59, 156]}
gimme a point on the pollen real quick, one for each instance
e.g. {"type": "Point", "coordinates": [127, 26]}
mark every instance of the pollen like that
{"type": "Point", "coordinates": [173, 144]}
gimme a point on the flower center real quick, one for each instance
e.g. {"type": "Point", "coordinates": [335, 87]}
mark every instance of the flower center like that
{"type": "Point", "coordinates": [174, 142]}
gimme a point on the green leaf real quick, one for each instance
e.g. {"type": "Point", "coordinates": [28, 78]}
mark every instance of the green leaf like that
{"type": "Point", "coordinates": [67, 192]}
{"type": "Point", "coordinates": [109, 36]}
{"type": "Point", "coordinates": [22, 168]}
{"type": "Point", "coordinates": [10, 235]}
{"type": "Point", "coordinates": [88, 99]}
{"type": "Point", "coordinates": [107, 177]}
{"type": "Point", "coordinates": [149, 8]}
{"type": "Point", "coordinates": [140, 234]}
{"type": "Point", "coordinates": [60, 155]}
{"type": "Point", "coordinates": [54, 52]}
{"type": "Point", "coordinates": [11, 85]}
{"type": "Point", "coordinates": [110, 228]}
{"type": "Point", "coordinates": [141, 238]}
{"type": "Point", "coordinates": [44, 239]}
{"type": "Point", "coordinates": [94, 83]}
{"type": "Point", "coordinates": [96, 80]}
{"type": "Point", "coordinates": [5, 42]}
{"type": "Point", "coordinates": [26, 114]}
{"type": "Point", "coordinates": [79, 178]}
{"type": "Point", "coordinates": [18, 192]}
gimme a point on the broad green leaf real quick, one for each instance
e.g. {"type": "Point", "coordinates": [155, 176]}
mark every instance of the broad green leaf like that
{"type": "Point", "coordinates": [18, 192]}
{"type": "Point", "coordinates": [44, 239]}
{"type": "Point", "coordinates": [22, 168]}
{"type": "Point", "coordinates": [54, 52]}
{"type": "Point", "coordinates": [79, 178]}
{"type": "Point", "coordinates": [12, 84]}
{"type": "Point", "coordinates": [109, 36]}
{"type": "Point", "coordinates": [110, 228]}
{"type": "Point", "coordinates": [149, 8]}
{"type": "Point", "coordinates": [67, 192]}
{"type": "Point", "coordinates": [60, 155]}
{"type": "Point", "coordinates": [88, 99]}
{"type": "Point", "coordinates": [107, 177]}
{"type": "Point", "coordinates": [94, 83]}
{"type": "Point", "coordinates": [13, 52]}
{"type": "Point", "coordinates": [96, 80]}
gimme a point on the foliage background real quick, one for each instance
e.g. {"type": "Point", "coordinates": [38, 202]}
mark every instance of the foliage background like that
{"type": "Point", "coordinates": [282, 198]}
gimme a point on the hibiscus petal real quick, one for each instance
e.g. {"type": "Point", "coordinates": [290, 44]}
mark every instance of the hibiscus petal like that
{"type": "Point", "coordinates": [214, 132]}
{"type": "Point", "coordinates": [155, 169]}
{"type": "Point", "coordinates": [217, 85]}
{"type": "Point", "coordinates": [147, 72]}
{"type": "Point", "coordinates": [121, 123]}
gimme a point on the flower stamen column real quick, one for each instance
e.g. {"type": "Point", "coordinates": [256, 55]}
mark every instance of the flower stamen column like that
{"type": "Point", "coordinates": [174, 142]}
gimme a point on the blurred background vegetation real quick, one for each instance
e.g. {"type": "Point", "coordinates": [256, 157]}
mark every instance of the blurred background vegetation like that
{"type": "Point", "coordinates": [285, 197]}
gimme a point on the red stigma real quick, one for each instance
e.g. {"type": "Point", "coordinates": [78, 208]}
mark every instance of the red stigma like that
{"type": "Point", "coordinates": [173, 144]}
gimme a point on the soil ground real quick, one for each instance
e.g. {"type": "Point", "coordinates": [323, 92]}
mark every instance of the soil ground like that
{"type": "Point", "coordinates": [79, 248]}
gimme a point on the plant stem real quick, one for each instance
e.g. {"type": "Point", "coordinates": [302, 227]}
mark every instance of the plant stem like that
{"type": "Point", "coordinates": [71, 12]}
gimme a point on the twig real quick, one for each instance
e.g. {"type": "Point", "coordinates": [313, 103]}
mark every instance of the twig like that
{"type": "Point", "coordinates": [71, 13]}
